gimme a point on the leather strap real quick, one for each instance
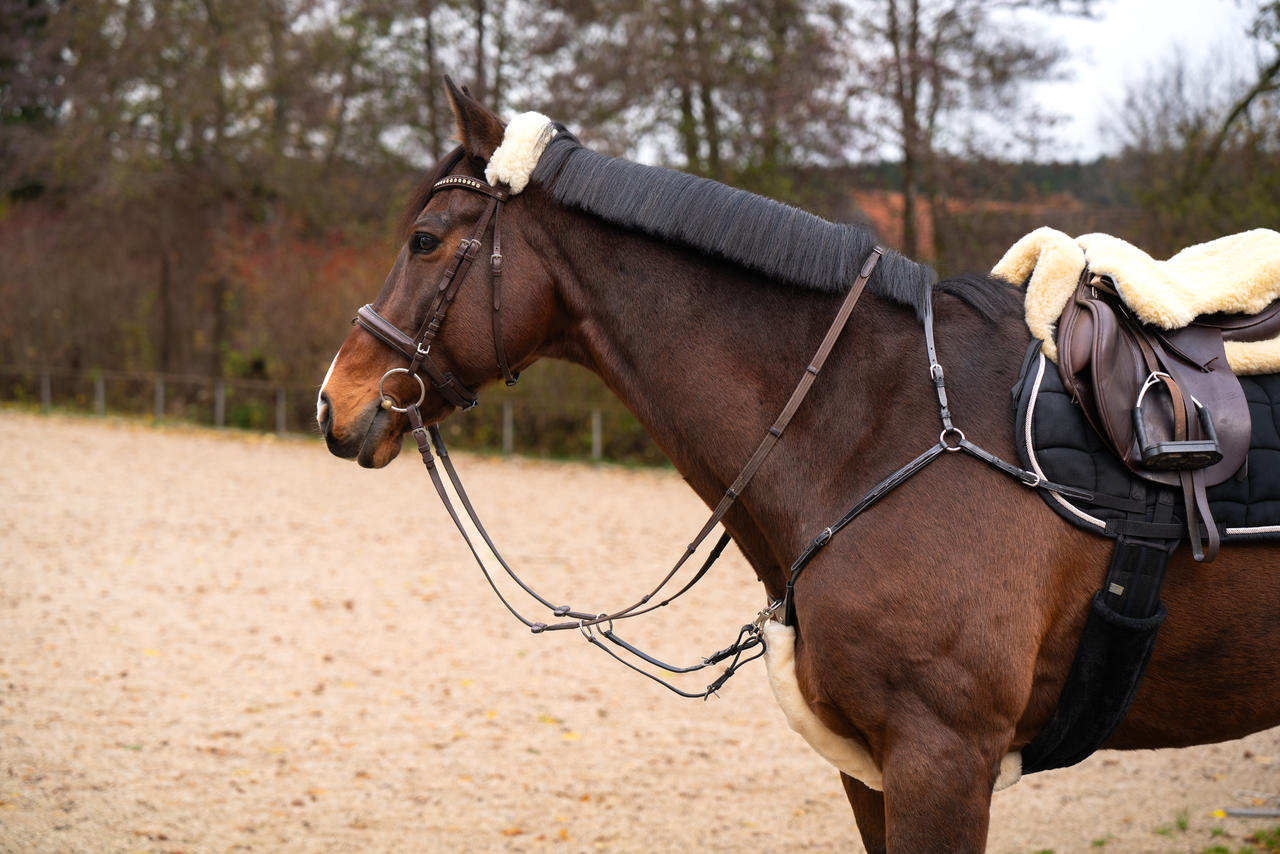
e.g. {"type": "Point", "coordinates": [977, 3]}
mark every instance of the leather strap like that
{"type": "Point", "coordinates": [1186, 426]}
{"type": "Point", "coordinates": [1196, 505]}
{"type": "Point", "coordinates": [495, 272]}
{"type": "Point", "coordinates": [765, 447]}
{"type": "Point", "coordinates": [449, 387]}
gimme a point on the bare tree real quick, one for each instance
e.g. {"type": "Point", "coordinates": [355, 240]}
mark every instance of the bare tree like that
{"type": "Point", "coordinates": [929, 68]}
{"type": "Point", "coordinates": [1201, 146]}
{"type": "Point", "coordinates": [734, 89]}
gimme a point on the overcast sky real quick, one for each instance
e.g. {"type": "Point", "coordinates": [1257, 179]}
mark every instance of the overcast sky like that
{"type": "Point", "coordinates": [1119, 46]}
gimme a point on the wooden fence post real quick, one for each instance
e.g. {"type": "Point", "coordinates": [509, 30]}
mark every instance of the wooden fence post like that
{"type": "Point", "coordinates": [508, 428]}
{"type": "Point", "coordinates": [159, 397]}
{"type": "Point", "coordinates": [597, 434]}
{"type": "Point", "coordinates": [280, 411]}
{"type": "Point", "coordinates": [220, 404]}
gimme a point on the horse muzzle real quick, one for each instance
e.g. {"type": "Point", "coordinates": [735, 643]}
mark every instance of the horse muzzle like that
{"type": "Point", "coordinates": [371, 438]}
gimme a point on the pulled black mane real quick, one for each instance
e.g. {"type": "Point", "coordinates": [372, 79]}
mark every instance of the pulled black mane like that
{"type": "Point", "coordinates": [777, 240]}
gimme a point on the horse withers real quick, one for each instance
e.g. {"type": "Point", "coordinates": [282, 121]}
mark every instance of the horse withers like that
{"type": "Point", "coordinates": [937, 630]}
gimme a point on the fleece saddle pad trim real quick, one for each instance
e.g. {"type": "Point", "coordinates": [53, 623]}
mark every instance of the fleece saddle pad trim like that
{"type": "Point", "coordinates": [1239, 273]}
{"type": "Point", "coordinates": [1056, 442]}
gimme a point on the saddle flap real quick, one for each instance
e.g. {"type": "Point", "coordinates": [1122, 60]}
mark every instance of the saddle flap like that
{"type": "Point", "coordinates": [1245, 328]}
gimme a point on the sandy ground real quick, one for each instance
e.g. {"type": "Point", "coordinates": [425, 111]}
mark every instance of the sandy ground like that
{"type": "Point", "coordinates": [214, 642]}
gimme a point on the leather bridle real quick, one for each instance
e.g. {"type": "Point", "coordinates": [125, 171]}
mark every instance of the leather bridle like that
{"type": "Point", "coordinates": [418, 348]}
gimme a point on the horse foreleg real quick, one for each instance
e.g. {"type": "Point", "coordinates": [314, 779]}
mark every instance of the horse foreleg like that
{"type": "Point", "coordinates": [868, 812]}
{"type": "Point", "coordinates": [937, 795]}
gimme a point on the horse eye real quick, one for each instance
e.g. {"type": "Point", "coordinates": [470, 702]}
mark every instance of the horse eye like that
{"type": "Point", "coordinates": [422, 243]}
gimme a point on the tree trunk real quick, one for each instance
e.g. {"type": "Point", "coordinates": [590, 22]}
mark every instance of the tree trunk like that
{"type": "Point", "coordinates": [219, 334]}
{"type": "Point", "coordinates": [170, 360]}
{"type": "Point", "coordinates": [479, 89]}
{"type": "Point", "coordinates": [689, 130]}
{"type": "Point", "coordinates": [910, 239]}
{"type": "Point", "coordinates": [706, 93]}
{"type": "Point", "coordinates": [500, 24]}
{"type": "Point", "coordinates": [906, 74]}
{"type": "Point", "coordinates": [276, 25]}
{"type": "Point", "coordinates": [431, 85]}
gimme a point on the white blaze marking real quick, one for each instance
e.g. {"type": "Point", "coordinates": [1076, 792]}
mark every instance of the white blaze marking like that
{"type": "Point", "coordinates": [320, 406]}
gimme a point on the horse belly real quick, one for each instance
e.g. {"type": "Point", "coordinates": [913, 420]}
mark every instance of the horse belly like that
{"type": "Point", "coordinates": [1214, 674]}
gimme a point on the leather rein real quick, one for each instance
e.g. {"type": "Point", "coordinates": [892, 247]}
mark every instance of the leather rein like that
{"type": "Point", "coordinates": [597, 625]}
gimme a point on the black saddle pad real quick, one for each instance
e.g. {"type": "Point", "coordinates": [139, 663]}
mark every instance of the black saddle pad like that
{"type": "Point", "coordinates": [1055, 441]}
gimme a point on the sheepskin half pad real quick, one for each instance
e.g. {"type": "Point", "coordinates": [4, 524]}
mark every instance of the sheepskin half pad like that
{"type": "Point", "coordinates": [1239, 273]}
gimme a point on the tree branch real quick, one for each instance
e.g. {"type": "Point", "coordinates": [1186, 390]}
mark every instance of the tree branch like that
{"type": "Point", "coordinates": [1268, 80]}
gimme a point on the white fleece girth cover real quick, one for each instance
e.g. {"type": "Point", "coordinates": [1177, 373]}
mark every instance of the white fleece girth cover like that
{"type": "Point", "coordinates": [1238, 273]}
{"type": "Point", "coordinates": [846, 754]}
{"type": "Point", "coordinates": [513, 161]}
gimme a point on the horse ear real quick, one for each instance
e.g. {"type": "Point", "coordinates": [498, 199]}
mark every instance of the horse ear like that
{"type": "Point", "coordinates": [480, 130]}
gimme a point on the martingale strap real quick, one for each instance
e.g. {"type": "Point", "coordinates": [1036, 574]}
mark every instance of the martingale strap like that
{"type": "Point", "coordinates": [749, 637]}
{"type": "Point", "coordinates": [951, 439]}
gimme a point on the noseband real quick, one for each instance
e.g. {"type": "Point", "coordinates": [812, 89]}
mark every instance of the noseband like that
{"type": "Point", "coordinates": [418, 348]}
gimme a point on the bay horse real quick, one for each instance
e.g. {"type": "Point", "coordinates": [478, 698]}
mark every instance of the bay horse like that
{"type": "Point", "coordinates": [938, 630]}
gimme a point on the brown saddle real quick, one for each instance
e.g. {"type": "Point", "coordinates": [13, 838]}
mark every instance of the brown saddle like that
{"type": "Point", "coordinates": [1166, 401]}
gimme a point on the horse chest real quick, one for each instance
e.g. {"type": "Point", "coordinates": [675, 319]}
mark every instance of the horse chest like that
{"type": "Point", "coordinates": [848, 755]}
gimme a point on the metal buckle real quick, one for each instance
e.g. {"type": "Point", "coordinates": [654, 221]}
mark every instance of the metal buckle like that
{"type": "Point", "coordinates": [766, 615]}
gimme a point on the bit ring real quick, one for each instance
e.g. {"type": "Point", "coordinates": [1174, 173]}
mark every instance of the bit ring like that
{"type": "Point", "coordinates": [388, 402]}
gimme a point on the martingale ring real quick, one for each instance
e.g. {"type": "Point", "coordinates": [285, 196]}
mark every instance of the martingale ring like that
{"type": "Point", "coordinates": [388, 402]}
{"type": "Point", "coordinates": [954, 433]}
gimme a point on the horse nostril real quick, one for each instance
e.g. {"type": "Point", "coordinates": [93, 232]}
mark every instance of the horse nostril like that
{"type": "Point", "coordinates": [324, 410]}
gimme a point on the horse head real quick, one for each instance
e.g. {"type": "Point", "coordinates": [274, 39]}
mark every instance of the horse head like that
{"type": "Point", "coordinates": [467, 301]}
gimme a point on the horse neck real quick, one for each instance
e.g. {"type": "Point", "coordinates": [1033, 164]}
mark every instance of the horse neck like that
{"type": "Point", "coordinates": [706, 355]}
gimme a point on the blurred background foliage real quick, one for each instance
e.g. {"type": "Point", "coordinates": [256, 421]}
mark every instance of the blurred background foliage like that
{"type": "Point", "coordinates": [209, 187]}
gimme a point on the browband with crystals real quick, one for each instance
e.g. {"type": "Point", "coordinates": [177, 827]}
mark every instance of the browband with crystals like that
{"type": "Point", "coordinates": [471, 184]}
